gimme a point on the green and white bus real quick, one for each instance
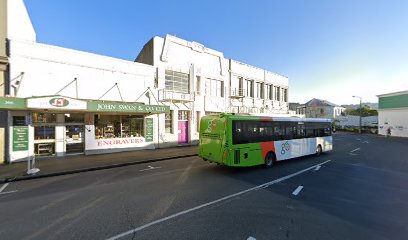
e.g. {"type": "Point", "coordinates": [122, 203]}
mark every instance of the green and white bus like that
{"type": "Point", "coordinates": [245, 140]}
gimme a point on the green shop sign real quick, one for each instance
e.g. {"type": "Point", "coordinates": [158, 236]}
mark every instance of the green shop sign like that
{"type": "Point", "coordinates": [20, 138]}
{"type": "Point", "coordinates": [99, 106]}
{"type": "Point", "coordinates": [149, 130]}
{"type": "Point", "coordinates": [12, 103]}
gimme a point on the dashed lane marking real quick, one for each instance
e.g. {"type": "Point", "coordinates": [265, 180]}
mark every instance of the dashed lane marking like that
{"type": "Point", "coordinates": [2, 193]}
{"type": "Point", "coordinates": [133, 231]}
{"type": "Point", "coordinates": [148, 168]}
{"type": "Point", "coordinates": [251, 238]}
{"type": "Point", "coordinates": [297, 190]}
{"type": "Point", "coordinates": [3, 187]}
{"type": "Point", "coordinates": [355, 150]}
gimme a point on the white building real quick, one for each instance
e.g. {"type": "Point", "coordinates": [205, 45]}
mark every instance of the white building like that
{"type": "Point", "coordinates": [393, 113]}
{"type": "Point", "coordinates": [317, 108]}
{"type": "Point", "coordinates": [203, 82]}
{"type": "Point", "coordinates": [62, 101]}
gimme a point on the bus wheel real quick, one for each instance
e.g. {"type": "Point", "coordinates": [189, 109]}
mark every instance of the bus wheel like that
{"type": "Point", "coordinates": [318, 150]}
{"type": "Point", "coordinates": [270, 158]}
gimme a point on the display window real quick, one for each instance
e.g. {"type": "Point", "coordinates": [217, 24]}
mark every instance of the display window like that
{"type": "Point", "coordinates": [119, 126]}
{"type": "Point", "coordinates": [74, 118]}
{"type": "Point", "coordinates": [44, 132]}
{"type": "Point", "coordinates": [44, 117]}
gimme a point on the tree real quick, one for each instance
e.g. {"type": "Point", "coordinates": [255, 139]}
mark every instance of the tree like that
{"type": "Point", "coordinates": [366, 111]}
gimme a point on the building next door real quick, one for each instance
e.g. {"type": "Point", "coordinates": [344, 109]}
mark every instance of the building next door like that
{"type": "Point", "coordinates": [183, 127]}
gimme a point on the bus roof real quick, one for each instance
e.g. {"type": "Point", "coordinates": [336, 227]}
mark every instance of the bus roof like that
{"type": "Point", "coordinates": [271, 118]}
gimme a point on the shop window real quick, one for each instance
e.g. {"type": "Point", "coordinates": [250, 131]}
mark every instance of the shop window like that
{"type": "Point", "coordinates": [44, 117]}
{"type": "Point", "coordinates": [183, 115]}
{"type": "Point", "coordinates": [44, 132]}
{"type": "Point", "coordinates": [132, 126]}
{"type": "Point", "coordinates": [169, 122]}
{"type": "Point", "coordinates": [74, 118]}
{"type": "Point", "coordinates": [114, 126]}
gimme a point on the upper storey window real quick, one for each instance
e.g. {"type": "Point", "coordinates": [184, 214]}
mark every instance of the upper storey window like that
{"type": "Point", "coordinates": [177, 82]}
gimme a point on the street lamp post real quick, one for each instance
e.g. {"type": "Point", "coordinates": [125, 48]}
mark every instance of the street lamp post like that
{"type": "Point", "coordinates": [359, 129]}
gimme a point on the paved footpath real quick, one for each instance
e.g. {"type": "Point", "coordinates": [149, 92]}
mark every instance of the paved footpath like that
{"type": "Point", "coordinates": [82, 163]}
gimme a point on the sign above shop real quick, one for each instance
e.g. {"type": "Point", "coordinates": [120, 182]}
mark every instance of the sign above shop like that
{"type": "Point", "coordinates": [56, 102]}
{"type": "Point", "coordinates": [99, 106]}
{"type": "Point", "coordinates": [12, 103]}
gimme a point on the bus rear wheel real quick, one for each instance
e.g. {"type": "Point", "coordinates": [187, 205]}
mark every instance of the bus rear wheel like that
{"type": "Point", "coordinates": [269, 159]}
{"type": "Point", "coordinates": [318, 150]}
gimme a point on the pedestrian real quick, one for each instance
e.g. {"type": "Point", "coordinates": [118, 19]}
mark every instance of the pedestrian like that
{"type": "Point", "coordinates": [388, 131]}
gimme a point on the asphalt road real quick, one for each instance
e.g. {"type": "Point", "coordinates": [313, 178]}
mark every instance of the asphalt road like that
{"type": "Point", "coordinates": [361, 192]}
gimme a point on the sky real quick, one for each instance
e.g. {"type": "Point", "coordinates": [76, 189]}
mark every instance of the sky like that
{"type": "Point", "coordinates": [329, 49]}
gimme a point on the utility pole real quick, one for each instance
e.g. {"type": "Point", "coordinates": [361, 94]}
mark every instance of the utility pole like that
{"type": "Point", "coordinates": [359, 129]}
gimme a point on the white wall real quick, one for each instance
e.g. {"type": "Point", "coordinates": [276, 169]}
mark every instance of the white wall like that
{"type": "Point", "coordinates": [396, 119]}
{"type": "Point", "coordinates": [47, 69]}
{"type": "Point", "coordinates": [19, 25]}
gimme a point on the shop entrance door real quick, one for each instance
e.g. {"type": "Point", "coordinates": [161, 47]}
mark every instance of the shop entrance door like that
{"type": "Point", "coordinates": [74, 139]}
{"type": "Point", "coordinates": [182, 132]}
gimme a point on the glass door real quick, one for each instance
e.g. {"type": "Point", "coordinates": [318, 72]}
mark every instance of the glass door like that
{"type": "Point", "coordinates": [74, 139]}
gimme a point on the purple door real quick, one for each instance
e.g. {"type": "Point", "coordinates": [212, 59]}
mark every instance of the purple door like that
{"type": "Point", "coordinates": [183, 132]}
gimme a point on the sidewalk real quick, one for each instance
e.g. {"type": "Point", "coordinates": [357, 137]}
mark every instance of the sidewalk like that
{"type": "Point", "coordinates": [81, 163]}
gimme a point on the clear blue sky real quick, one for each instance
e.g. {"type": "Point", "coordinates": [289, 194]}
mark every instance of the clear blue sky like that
{"type": "Point", "coordinates": [328, 49]}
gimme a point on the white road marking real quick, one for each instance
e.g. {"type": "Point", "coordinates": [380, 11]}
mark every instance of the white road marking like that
{"type": "Point", "coordinates": [1, 193]}
{"type": "Point", "coordinates": [353, 154]}
{"type": "Point", "coordinates": [149, 168]}
{"type": "Point", "coordinates": [132, 231]}
{"type": "Point", "coordinates": [251, 238]}
{"type": "Point", "coordinates": [365, 142]}
{"type": "Point", "coordinates": [297, 190]}
{"type": "Point", "coordinates": [355, 150]}
{"type": "Point", "coordinates": [317, 168]}
{"type": "Point", "coordinates": [3, 187]}
{"type": "Point", "coordinates": [358, 139]}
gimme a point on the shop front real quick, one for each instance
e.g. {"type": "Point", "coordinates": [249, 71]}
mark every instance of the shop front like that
{"type": "Point", "coordinates": [59, 126]}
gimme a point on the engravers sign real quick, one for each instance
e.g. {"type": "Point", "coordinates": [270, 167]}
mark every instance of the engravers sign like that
{"type": "Point", "coordinates": [56, 103]}
{"type": "Point", "coordinates": [99, 106]}
{"type": "Point", "coordinates": [149, 130]}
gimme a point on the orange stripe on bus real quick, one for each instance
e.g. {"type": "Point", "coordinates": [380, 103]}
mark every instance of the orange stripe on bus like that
{"type": "Point", "coordinates": [267, 147]}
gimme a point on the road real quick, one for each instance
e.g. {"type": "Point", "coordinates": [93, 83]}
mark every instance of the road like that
{"type": "Point", "coordinates": [357, 191]}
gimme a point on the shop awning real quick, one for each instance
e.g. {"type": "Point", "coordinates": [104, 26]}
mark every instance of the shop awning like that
{"type": "Point", "coordinates": [62, 103]}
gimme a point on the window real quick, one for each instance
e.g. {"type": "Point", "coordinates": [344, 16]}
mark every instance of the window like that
{"type": "Point", "coordinates": [252, 131]}
{"type": "Point", "coordinates": [285, 94]}
{"type": "Point", "coordinates": [260, 90]}
{"type": "Point", "coordinates": [277, 93]}
{"type": "Point", "coordinates": [249, 88]}
{"type": "Point", "coordinates": [269, 92]}
{"type": "Point", "coordinates": [44, 132]}
{"type": "Point", "coordinates": [44, 118]}
{"type": "Point", "coordinates": [115, 126]}
{"type": "Point", "coordinates": [132, 126]}
{"type": "Point", "coordinates": [168, 122]}
{"type": "Point", "coordinates": [183, 115]}
{"type": "Point", "coordinates": [74, 117]}
{"type": "Point", "coordinates": [214, 88]}
{"type": "Point", "coordinates": [177, 82]}
{"type": "Point", "coordinates": [198, 85]}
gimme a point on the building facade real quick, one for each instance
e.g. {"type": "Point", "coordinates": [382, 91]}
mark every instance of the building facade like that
{"type": "Point", "coordinates": [317, 108]}
{"type": "Point", "coordinates": [203, 82]}
{"type": "Point", "coordinates": [393, 114]}
{"type": "Point", "coordinates": [59, 101]}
